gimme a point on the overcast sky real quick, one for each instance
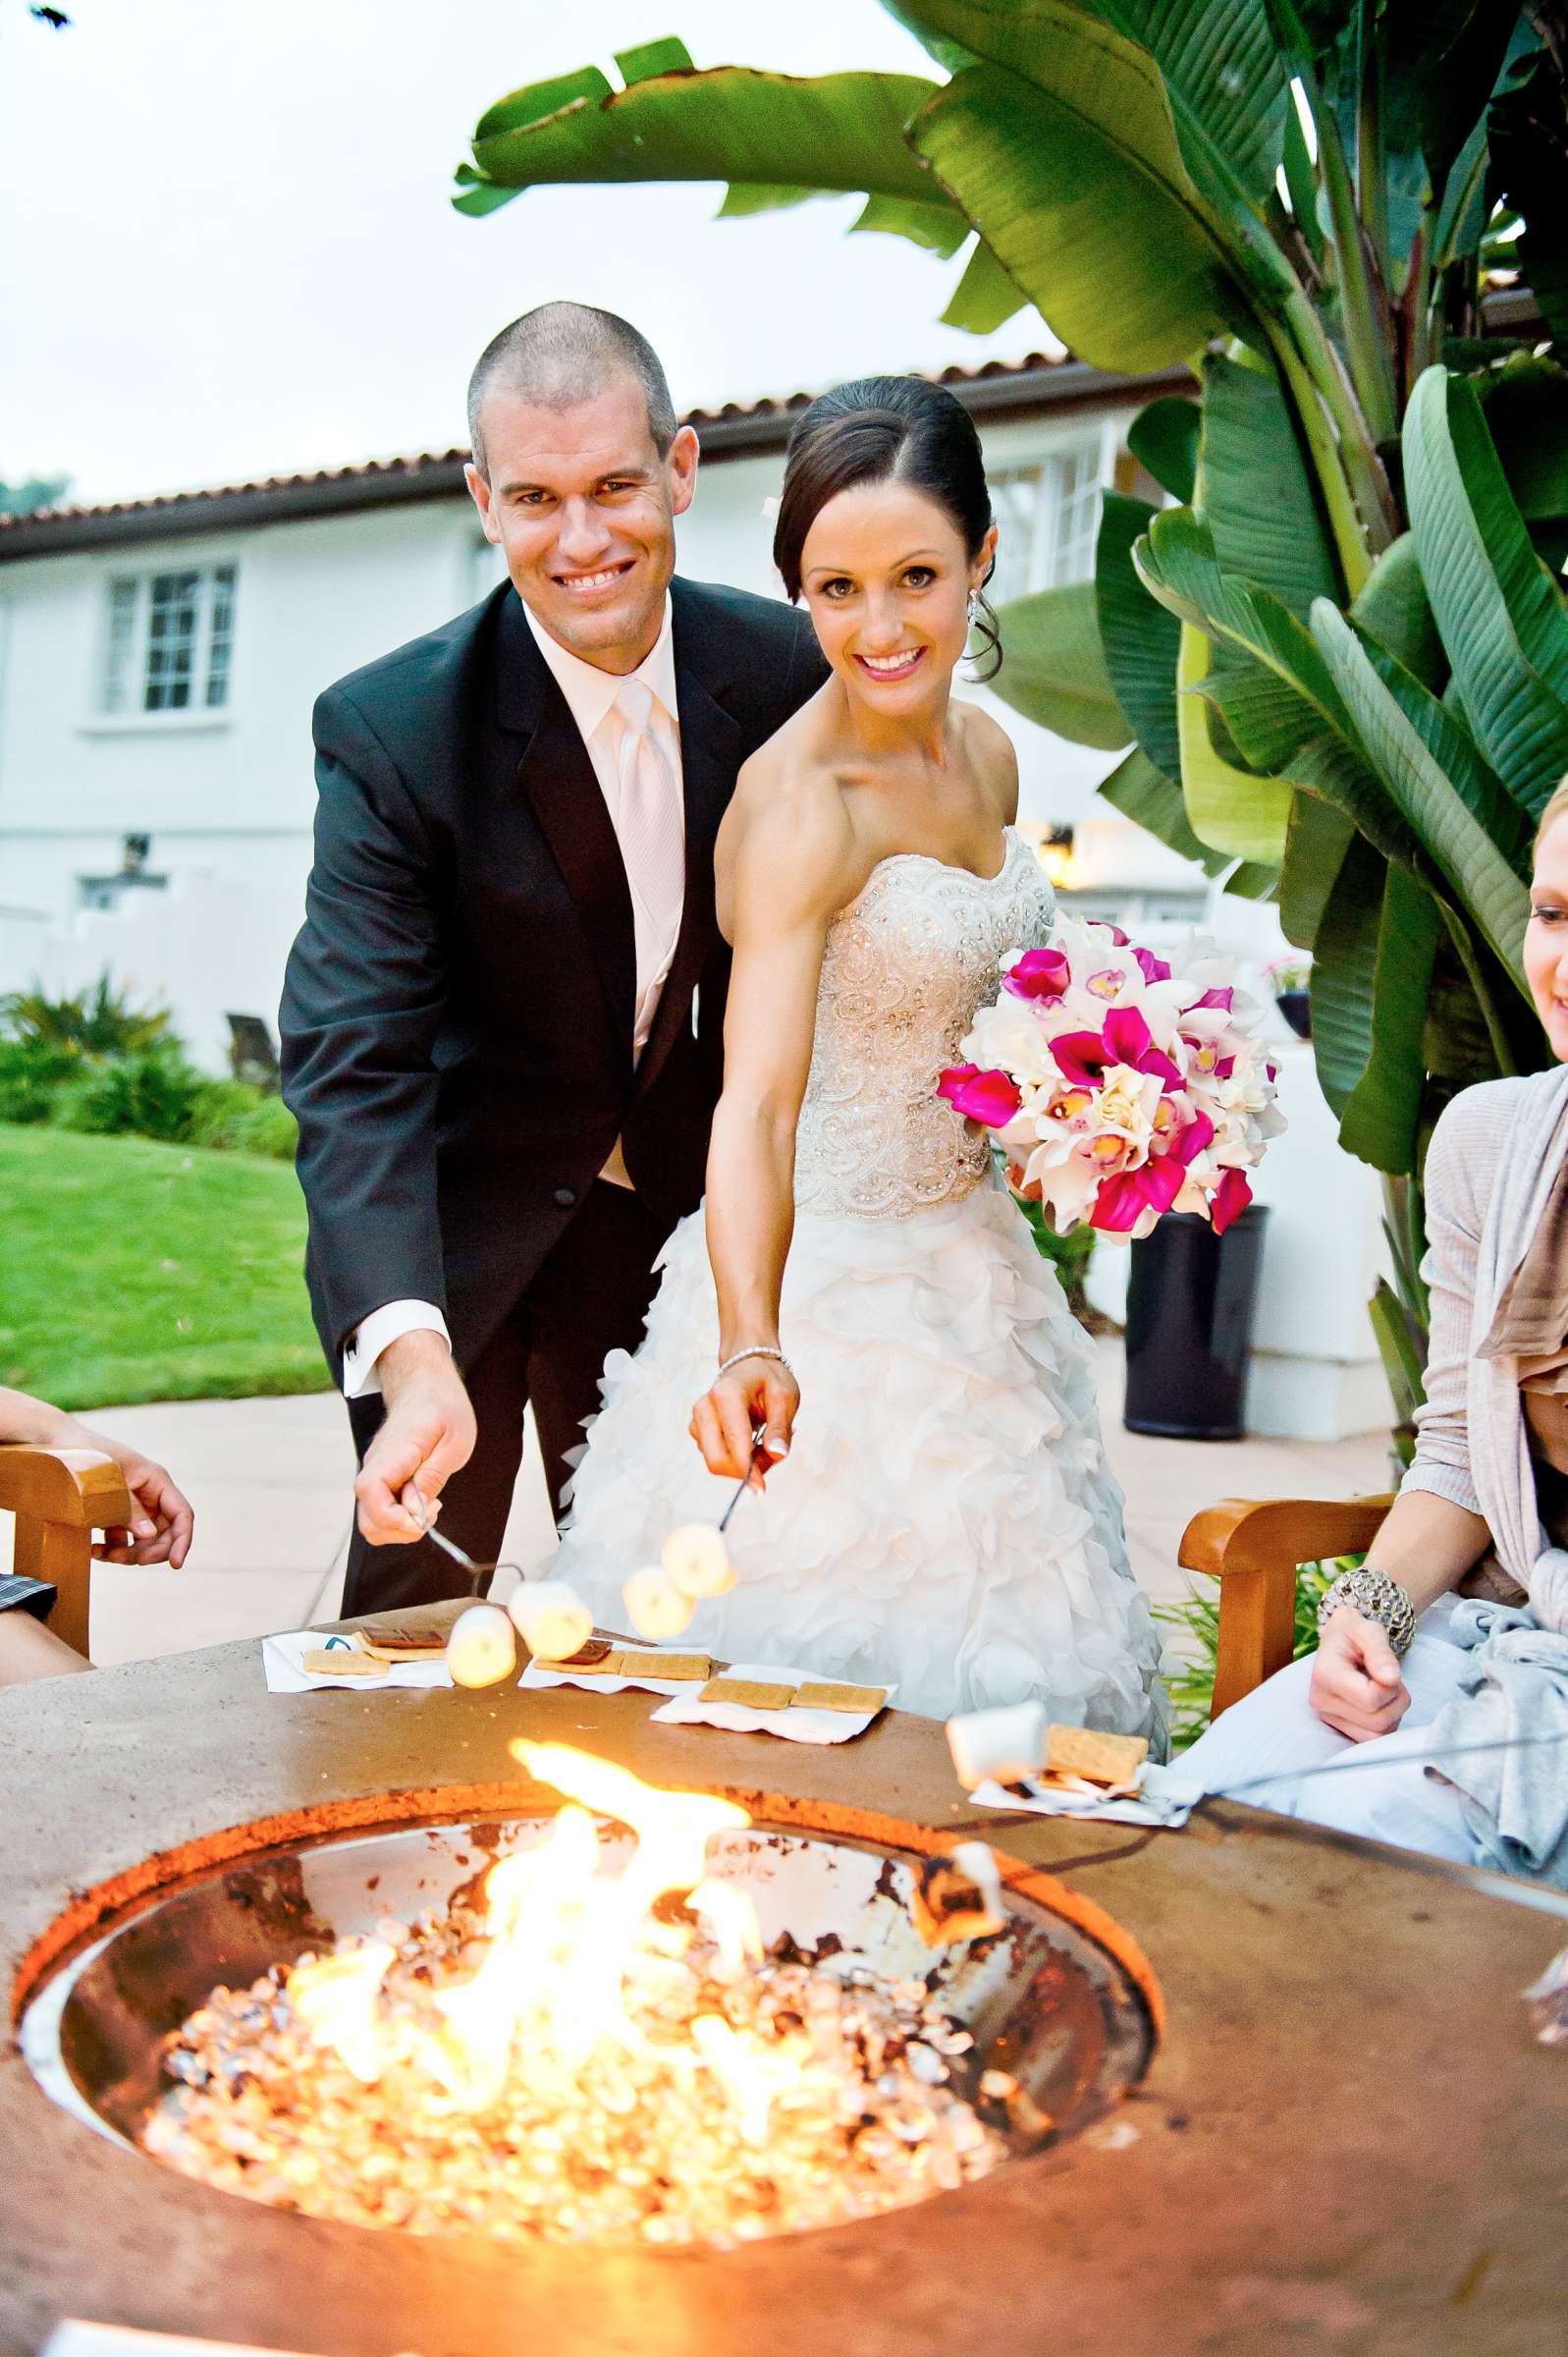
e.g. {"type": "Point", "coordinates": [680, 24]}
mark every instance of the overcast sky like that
{"type": "Point", "coordinates": [228, 248]}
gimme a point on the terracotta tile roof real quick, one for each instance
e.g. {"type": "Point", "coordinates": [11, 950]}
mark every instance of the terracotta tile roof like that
{"type": "Point", "coordinates": [1040, 381]}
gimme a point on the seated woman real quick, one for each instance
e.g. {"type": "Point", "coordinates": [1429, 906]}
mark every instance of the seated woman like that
{"type": "Point", "coordinates": [160, 1533]}
{"type": "Point", "coordinates": [1454, 1636]}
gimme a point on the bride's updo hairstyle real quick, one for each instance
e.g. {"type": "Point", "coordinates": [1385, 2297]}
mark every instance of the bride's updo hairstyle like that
{"type": "Point", "coordinates": [883, 430]}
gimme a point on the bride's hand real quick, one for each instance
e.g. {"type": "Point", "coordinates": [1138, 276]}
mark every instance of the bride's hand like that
{"type": "Point", "coordinates": [755, 1396]}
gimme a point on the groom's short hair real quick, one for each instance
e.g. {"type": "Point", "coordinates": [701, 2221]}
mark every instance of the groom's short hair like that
{"type": "Point", "coordinates": [558, 356]}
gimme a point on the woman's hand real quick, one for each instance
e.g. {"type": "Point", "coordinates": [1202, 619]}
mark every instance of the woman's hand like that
{"type": "Point", "coordinates": [757, 1397]}
{"type": "Point", "coordinates": [160, 1532]}
{"type": "Point", "coordinates": [1355, 1683]}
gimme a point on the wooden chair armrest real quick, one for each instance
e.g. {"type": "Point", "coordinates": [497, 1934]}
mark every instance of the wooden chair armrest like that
{"type": "Point", "coordinates": [60, 1497]}
{"type": "Point", "coordinates": [1252, 1547]}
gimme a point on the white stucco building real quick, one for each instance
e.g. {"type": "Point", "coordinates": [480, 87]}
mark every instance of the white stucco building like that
{"type": "Point", "coordinates": [158, 664]}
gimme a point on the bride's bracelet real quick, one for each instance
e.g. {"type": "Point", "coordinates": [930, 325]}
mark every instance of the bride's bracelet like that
{"type": "Point", "coordinates": [1375, 1597]}
{"type": "Point", "coordinates": [757, 1350]}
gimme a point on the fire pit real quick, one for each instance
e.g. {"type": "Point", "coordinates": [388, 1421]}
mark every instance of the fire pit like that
{"type": "Point", "coordinates": [702, 2029]}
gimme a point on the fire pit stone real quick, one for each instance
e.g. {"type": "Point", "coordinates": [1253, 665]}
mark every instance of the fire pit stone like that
{"type": "Point", "coordinates": [1248, 2191]}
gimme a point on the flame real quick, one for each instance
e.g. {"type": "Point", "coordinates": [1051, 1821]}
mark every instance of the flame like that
{"type": "Point", "coordinates": [569, 1945]}
{"type": "Point", "coordinates": [335, 1999]}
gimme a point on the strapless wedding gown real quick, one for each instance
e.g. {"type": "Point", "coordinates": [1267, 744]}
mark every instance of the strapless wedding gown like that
{"type": "Point", "coordinates": [945, 1520]}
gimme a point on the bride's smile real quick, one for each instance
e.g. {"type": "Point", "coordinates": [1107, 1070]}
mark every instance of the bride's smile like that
{"type": "Point", "coordinates": [887, 579]}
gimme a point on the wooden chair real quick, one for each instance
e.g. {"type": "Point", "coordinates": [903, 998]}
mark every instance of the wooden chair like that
{"type": "Point", "coordinates": [60, 1497]}
{"type": "Point", "coordinates": [1253, 1547]}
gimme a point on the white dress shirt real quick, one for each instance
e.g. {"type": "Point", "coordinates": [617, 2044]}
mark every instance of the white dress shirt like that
{"type": "Point", "coordinates": [590, 695]}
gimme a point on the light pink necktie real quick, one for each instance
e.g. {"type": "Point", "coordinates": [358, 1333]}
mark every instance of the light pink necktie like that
{"type": "Point", "coordinates": [652, 833]}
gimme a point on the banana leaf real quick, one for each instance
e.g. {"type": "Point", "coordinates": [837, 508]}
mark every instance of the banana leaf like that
{"type": "Point", "coordinates": [1230, 808]}
{"type": "Point", "coordinates": [1219, 61]}
{"type": "Point", "coordinates": [1500, 615]}
{"type": "Point", "coordinates": [1258, 495]}
{"type": "Point", "coordinates": [835, 133]}
{"type": "Point", "coordinates": [1055, 672]}
{"type": "Point", "coordinates": [1154, 803]}
{"type": "Point", "coordinates": [1478, 874]}
{"type": "Point", "coordinates": [1080, 192]}
{"type": "Point", "coordinates": [1344, 962]}
{"type": "Point", "coordinates": [1164, 438]}
{"type": "Point", "coordinates": [1139, 638]}
{"type": "Point", "coordinates": [1317, 839]}
{"type": "Point", "coordinates": [985, 297]}
{"type": "Point", "coordinates": [1382, 1117]}
{"type": "Point", "coordinates": [1394, 607]}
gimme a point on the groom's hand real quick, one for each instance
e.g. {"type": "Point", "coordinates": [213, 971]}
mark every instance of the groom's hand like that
{"type": "Point", "coordinates": [757, 1395]}
{"type": "Point", "coordinates": [427, 1433]}
{"type": "Point", "coordinates": [1356, 1685]}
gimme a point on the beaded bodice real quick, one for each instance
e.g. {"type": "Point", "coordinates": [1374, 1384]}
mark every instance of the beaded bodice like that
{"type": "Point", "coordinates": [906, 966]}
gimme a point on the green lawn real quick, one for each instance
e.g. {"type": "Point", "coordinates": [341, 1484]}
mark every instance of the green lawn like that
{"type": "Point", "coordinates": [131, 1271]}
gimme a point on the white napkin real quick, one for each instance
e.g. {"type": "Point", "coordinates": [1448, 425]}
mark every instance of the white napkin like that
{"type": "Point", "coordinates": [796, 1726]}
{"type": "Point", "coordinates": [1164, 1797]}
{"type": "Point", "coordinates": [554, 1674]}
{"type": "Point", "coordinates": [283, 1660]}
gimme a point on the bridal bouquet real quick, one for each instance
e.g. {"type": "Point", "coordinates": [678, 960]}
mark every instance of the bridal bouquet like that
{"type": "Point", "coordinates": [1117, 1087]}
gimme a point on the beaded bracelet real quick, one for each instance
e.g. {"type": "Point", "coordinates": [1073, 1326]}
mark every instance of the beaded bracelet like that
{"type": "Point", "coordinates": [1375, 1597]}
{"type": "Point", "coordinates": [758, 1350]}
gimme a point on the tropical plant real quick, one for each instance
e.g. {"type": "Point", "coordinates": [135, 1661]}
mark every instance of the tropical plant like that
{"type": "Point", "coordinates": [1194, 1621]}
{"type": "Point", "coordinates": [93, 1023]}
{"type": "Point", "coordinates": [1336, 642]}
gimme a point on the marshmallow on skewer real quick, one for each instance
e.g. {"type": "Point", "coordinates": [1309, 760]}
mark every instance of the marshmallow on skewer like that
{"type": "Point", "coordinates": [1005, 1746]}
{"type": "Point", "coordinates": [550, 1618]}
{"type": "Point", "coordinates": [697, 1559]}
{"type": "Point", "coordinates": [482, 1648]}
{"type": "Point", "coordinates": [656, 1606]}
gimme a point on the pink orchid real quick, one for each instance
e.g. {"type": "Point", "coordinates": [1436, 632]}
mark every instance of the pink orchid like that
{"type": "Point", "coordinates": [1224, 999]}
{"type": "Point", "coordinates": [1083, 1058]}
{"type": "Point", "coordinates": [989, 1097]}
{"type": "Point", "coordinates": [1231, 1198]}
{"type": "Point", "coordinates": [1154, 970]}
{"type": "Point", "coordinates": [1039, 975]}
{"type": "Point", "coordinates": [1124, 1199]}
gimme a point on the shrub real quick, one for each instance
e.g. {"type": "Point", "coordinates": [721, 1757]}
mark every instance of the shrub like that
{"type": "Point", "coordinates": [235, 1117]}
{"type": "Point", "coordinates": [1070, 1255]}
{"type": "Point", "coordinates": [30, 1074]}
{"type": "Point", "coordinates": [154, 1093]}
{"type": "Point", "coordinates": [98, 1024]}
{"type": "Point", "coordinates": [1197, 1617]}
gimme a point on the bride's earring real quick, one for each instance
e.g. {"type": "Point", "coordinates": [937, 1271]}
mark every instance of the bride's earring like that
{"type": "Point", "coordinates": [974, 607]}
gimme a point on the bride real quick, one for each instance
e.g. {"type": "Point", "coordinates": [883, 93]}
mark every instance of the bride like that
{"type": "Point", "coordinates": [943, 1518]}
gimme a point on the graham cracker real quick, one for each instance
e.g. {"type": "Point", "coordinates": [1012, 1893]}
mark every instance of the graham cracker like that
{"type": "Point", "coordinates": [403, 1643]}
{"type": "Point", "coordinates": [824, 1696]}
{"type": "Point", "coordinates": [753, 1693]}
{"type": "Point", "coordinates": [678, 1667]}
{"type": "Point", "coordinates": [1101, 1759]}
{"type": "Point", "coordinates": [343, 1661]}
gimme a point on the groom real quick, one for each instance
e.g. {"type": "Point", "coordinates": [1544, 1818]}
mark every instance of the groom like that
{"type": "Point", "coordinates": [502, 1021]}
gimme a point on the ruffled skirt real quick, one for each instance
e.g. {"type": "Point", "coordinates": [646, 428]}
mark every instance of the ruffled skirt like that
{"type": "Point", "coordinates": [945, 1520]}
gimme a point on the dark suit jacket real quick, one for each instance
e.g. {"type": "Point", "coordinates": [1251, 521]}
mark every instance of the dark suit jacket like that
{"type": "Point", "coordinates": [458, 1012]}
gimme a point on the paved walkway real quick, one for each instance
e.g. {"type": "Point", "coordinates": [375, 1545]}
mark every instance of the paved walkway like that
{"type": "Point", "coordinates": [271, 1481]}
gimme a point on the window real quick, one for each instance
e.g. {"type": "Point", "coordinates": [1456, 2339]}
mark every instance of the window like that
{"type": "Point", "coordinates": [169, 644]}
{"type": "Point", "coordinates": [1048, 514]}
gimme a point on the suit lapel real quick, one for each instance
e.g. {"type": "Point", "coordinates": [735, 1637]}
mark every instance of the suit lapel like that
{"type": "Point", "coordinates": [711, 741]}
{"type": "Point", "coordinates": [557, 776]}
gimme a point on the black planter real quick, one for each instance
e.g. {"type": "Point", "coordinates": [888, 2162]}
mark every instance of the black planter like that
{"type": "Point", "coordinates": [1190, 1301]}
{"type": "Point", "coordinates": [1296, 1008]}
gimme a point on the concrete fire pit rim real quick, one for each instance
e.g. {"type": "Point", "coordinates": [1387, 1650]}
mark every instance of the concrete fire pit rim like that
{"type": "Point", "coordinates": [90, 1912]}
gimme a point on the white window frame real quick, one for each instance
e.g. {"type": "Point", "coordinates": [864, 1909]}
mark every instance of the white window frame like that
{"type": "Point", "coordinates": [133, 714]}
{"type": "Point", "coordinates": [1048, 562]}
